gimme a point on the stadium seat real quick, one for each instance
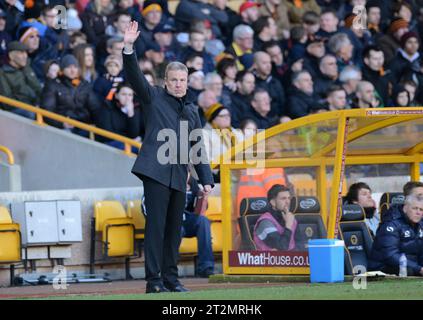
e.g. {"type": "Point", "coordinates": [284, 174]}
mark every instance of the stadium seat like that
{"type": "Point", "coordinates": [387, 200]}
{"type": "Point", "coordinates": [10, 238]}
{"type": "Point", "coordinates": [356, 235]}
{"type": "Point", "coordinates": [250, 211]}
{"type": "Point", "coordinates": [310, 222]}
{"type": "Point", "coordinates": [214, 209]}
{"type": "Point", "coordinates": [134, 211]}
{"type": "Point", "coordinates": [116, 227]}
{"type": "Point", "coordinates": [189, 246]}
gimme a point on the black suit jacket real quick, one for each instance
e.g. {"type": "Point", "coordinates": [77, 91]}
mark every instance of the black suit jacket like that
{"type": "Point", "coordinates": [165, 112]}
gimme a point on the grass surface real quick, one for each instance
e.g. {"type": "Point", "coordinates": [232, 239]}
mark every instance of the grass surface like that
{"type": "Point", "coordinates": [400, 289]}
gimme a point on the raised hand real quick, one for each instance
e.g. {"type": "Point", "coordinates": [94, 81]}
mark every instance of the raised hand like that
{"type": "Point", "coordinates": [131, 34]}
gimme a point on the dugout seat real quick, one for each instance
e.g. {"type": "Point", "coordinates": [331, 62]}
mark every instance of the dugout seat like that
{"type": "Point", "coordinates": [356, 235]}
{"type": "Point", "coordinates": [310, 222]}
{"type": "Point", "coordinates": [388, 199]}
{"type": "Point", "coordinates": [250, 210]}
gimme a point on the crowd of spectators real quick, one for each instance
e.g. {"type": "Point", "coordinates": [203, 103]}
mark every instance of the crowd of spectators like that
{"type": "Point", "coordinates": [268, 62]}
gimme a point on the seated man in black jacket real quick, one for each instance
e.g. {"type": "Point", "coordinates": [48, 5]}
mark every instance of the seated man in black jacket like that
{"type": "Point", "coordinates": [402, 235]}
{"type": "Point", "coordinates": [277, 228]}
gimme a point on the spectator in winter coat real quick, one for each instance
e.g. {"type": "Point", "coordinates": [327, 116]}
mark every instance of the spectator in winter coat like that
{"type": "Point", "coordinates": [106, 85]}
{"type": "Point", "coordinates": [70, 96]}
{"type": "Point", "coordinates": [260, 110]}
{"type": "Point", "coordinates": [18, 80]}
{"type": "Point", "coordinates": [197, 41]}
{"type": "Point", "coordinates": [301, 98]}
{"type": "Point", "coordinates": [349, 78]}
{"type": "Point", "coordinates": [242, 45]}
{"type": "Point", "coordinates": [390, 42]}
{"type": "Point", "coordinates": [328, 75]}
{"type": "Point", "coordinates": [241, 98]}
{"type": "Point", "coordinates": [5, 38]}
{"type": "Point", "coordinates": [367, 96]}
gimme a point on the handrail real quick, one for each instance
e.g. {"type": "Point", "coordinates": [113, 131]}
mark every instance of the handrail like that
{"type": "Point", "coordinates": [9, 155]}
{"type": "Point", "coordinates": [40, 113]}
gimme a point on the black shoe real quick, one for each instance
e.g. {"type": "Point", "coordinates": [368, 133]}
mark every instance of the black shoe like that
{"type": "Point", "coordinates": [178, 288]}
{"type": "Point", "coordinates": [206, 273]}
{"type": "Point", "coordinates": [156, 288]}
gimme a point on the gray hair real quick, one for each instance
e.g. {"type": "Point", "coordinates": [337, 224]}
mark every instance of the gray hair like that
{"type": "Point", "coordinates": [412, 198]}
{"type": "Point", "coordinates": [337, 41]}
{"type": "Point", "coordinates": [116, 39]}
{"type": "Point", "coordinates": [241, 31]}
{"type": "Point", "coordinates": [208, 79]}
{"type": "Point", "coordinates": [350, 73]}
{"type": "Point", "coordinates": [175, 66]}
{"type": "Point", "coordinates": [296, 75]}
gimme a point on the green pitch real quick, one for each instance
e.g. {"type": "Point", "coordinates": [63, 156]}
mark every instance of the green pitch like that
{"type": "Point", "coordinates": [388, 289]}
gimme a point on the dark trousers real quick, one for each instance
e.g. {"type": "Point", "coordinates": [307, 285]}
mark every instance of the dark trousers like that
{"type": "Point", "coordinates": [198, 226]}
{"type": "Point", "coordinates": [164, 208]}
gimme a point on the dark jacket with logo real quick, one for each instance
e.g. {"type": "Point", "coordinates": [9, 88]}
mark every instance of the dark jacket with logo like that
{"type": "Point", "coordinates": [394, 237]}
{"type": "Point", "coordinates": [163, 111]}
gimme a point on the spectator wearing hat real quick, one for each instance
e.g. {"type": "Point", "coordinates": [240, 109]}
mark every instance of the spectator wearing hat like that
{"type": "Point", "coordinates": [18, 80]}
{"type": "Point", "coordinates": [219, 136]}
{"type": "Point", "coordinates": [70, 96]}
{"type": "Point", "coordinates": [407, 63]}
{"type": "Point", "coordinates": [155, 54]}
{"type": "Point", "coordinates": [39, 51]}
{"type": "Point", "coordinates": [197, 42]}
{"type": "Point", "coordinates": [241, 98]}
{"type": "Point", "coordinates": [373, 71]}
{"type": "Point", "coordinates": [14, 14]}
{"type": "Point", "coordinates": [278, 10]}
{"type": "Point", "coordinates": [105, 86]}
{"type": "Point", "coordinates": [264, 31]}
{"type": "Point", "coordinates": [95, 18]}
{"type": "Point", "coordinates": [259, 110]}
{"type": "Point", "coordinates": [265, 80]}
{"type": "Point", "coordinates": [164, 35]}
{"type": "Point", "coordinates": [190, 10]}
{"type": "Point", "coordinates": [391, 42]}
{"type": "Point", "coordinates": [152, 14]}
{"type": "Point", "coordinates": [243, 42]}
{"type": "Point", "coordinates": [301, 98]}
{"type": "Point", "coordinates": [249, 12]}
{"type": "Point", "coordinates": [120, 115]}
{"type": "Point", "coordinates": [5, 38]}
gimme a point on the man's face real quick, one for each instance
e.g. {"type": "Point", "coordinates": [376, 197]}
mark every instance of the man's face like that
{"type": "Point", "coordinates": [153, 17]}
{"type": "Point", "coordinates": [177, 83]}
{"type": "Point", "coordinates": [33, 42]}
{"type": "Point", "coordinates": [71, 72]}
{"type": "Point", "coordinates": [196, 81]}
{"type": "Point", "coordinates": [329, 22]}
{"type": "Point", "coordinates": [338, 99]}
{"type": "Point", "coordinates": [417, 192]}
{"type": "Point", "coordinates": [414, 211]}
{"type": "Point", "coordinates": [164, 39]}
{"type": "Point", "coordinates": [19, 58]}
{"type": "Point", "coordinates": [247, 85]}
{"type": "Point", "coordinates": [282, 202]}
{"type": "Point", "coordinates": [155, 57]}
{"type": "Point", "coordinates": [122, 23]}
{"type": "Point", "coordinates": [316, 49]}
{"type": "Point", "coordinates": [329, 67]}
{"type": "Point", "coordinates": [113, 69]}
{"type": "Point", "coordinates": [50, 17]}
{"type": "Point", "coordinates": [197, 63]}
{"type": "Point", "coordinates": [366, 94]}
{"type": "Point", "coordinates": [197, 41]}
{"type": "Point", "coordinates": [251, 14]}
{"type": "Point", "coordinates": [264, 65]}
{"type": "Point", "coordinates": [305, 83]}
{"type": "Point", "coordinates": [117, 48]}
{"type": "Point", "coordinates": [375, 60]}
{"type": "Point", "coordinates": [365, 198]}
{"type": "Point", "coordinates": [275, 54]}
{"type": "Point", "coordinates": [261, 102]}
{"type": "Point", "coordinates": [2, 24]}
{"type": "Point", "coordinates": [411, 46]}
{"type": "Point", "coordinates": [373, 15]}
{"type": "Point", "coordinates": [246, 42]}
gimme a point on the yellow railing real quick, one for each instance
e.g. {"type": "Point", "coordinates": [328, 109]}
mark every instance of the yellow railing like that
{"type": "Point", "coordinates": [41, 113]}
{"type": "Point", "coordinates": [9, 154]}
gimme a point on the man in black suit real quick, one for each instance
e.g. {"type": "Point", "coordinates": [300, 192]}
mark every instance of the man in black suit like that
{"type": "Point", "coordinates": [163, 165]}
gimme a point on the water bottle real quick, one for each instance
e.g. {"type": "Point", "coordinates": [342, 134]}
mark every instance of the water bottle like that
{"type": "Point", "coordinates": [403, 265]}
